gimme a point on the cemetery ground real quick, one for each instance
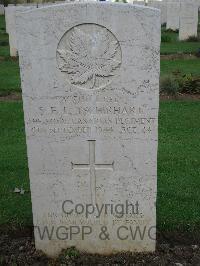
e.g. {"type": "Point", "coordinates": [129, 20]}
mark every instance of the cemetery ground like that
{"type": "Point", "coordinates": [178, 165]}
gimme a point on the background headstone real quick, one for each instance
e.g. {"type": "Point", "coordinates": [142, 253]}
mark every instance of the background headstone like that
{"type": "Point", "coordinates": [7, 17]}
{"type": "Point", "coordinates": [188, 19]}
{"type": "Point", "coordinates": [173, 14]}
{"type": "Point", "coordinates": [10, 19]}
{"type": "Point", "coordinates": [2, 10]}
{"type": "Point", "coordinates": [11, 29]}
{"type": "Point", "coordinates": [90, 82]}
{"type": "Point", "coordinates": [163, 8]}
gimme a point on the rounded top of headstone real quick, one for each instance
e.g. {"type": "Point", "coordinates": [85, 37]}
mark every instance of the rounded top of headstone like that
{"type": "Point", "coordinates": [104, 4]}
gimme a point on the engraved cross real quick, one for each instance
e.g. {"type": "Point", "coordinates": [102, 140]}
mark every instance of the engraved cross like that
{"type": "Point", "coordinates": [92, 166]}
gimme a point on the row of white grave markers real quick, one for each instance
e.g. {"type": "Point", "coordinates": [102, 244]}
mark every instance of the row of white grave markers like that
{"type": "Point", "coordinates": [10, 17]}
{"type": "Point", "coordinates": [90, 82]}
{"type": "Point", "coordinates": [176, 14]}
{"type": "Point", "coordinates": [182, 15]}
{"type": "Point", "coordinates": [11, 10]}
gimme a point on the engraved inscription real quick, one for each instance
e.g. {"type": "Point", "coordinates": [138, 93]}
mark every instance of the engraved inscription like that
{"type": "Point", "coordinates": [89, 56]}
{"type": "Point", "coordinates": [92, 166]}
{"type": "Point", "coordinates": [111, 117]}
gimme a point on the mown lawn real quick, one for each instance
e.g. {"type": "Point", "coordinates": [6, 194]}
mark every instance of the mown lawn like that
{"type": "Point", "coordinates": [4, 51]}
{"type": "Point", "coordinates": [9, 77]}
{"type": "Point", "coordinates": [185, 66]}
{"type": "Point", "coordinates": [14, 208]}
{"type": "Point", "coordinates": [178, 166]}
{"type": "Point", "coordinates": [2, 23]}
{"type": "Point", "coordinates": [4, 48]}
{"type": "Point", "coordinates": [180, 47]}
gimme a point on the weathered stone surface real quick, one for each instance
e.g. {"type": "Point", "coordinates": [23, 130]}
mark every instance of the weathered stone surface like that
{"type": "Point", "coordinates": [90, 81]}
{"type": "Point", "coordinates": [142, 3]}
{"type": "Point", "coordinates": [10, 18]}
{"type": "Point", "coordinates": [188, 19]}
{"type": "Point", "coordinates": [173, 14]}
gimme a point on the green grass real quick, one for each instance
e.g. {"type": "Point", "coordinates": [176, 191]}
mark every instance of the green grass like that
{"type": "Point", "coordinates": [178, 166]}
{"type": "Point", "coordinates": [185, 66]}
{"type": "Point", "coordinates": [9, 69]}
{"type": "Point", "coordinates": [179, 47]}
{"type": "Point", "coordinates": [2, 23]}
{"type": "Point", "coordinates": [14, 208]}
{"type": "Point", "coordinates": [173, 35]}
{"type": "Point", "coordinates": [9, 76]}
{"type": "Point", "coordinates": [4, 50]}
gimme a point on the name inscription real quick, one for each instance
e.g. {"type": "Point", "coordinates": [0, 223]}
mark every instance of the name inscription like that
{"type": "Point", "coordinates": [107, 116]}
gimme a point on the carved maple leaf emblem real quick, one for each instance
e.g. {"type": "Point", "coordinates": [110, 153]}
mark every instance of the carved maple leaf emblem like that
{"type": "Point", "coordinates": [89, 56]}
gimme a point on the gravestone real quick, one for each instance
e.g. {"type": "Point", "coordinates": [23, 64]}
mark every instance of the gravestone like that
{"type": "Point", "coordinates": [2, 10]}
{"type": "Point", "coordinates": [11, 29]}
{"type": "Point", "coordinates": [173, 14]}
{"type": "Point", "coordinates": [10, 19]}
{"type": "Point", "coordinates": [90, 82]}
{"type": "Point", "coordinates": [7, 16]}
{"type": "Point", "coordinates": [163, 8]}
{"type": "Point", "coordinates": [5, 13]}
{"type": "Point", "coordinates": [188, 19]}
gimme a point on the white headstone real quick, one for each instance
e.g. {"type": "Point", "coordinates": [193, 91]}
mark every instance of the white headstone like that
{"type": "Point", "coordinates": [5, 13]}
{"type": "Point", "coordinates": [173, 14]}
{"type": "Point", "coordinates": [7, 16]}
{"type": "Point", "coordinates": [11, 29]}
{"type": "Point", "coordinates": [2, 10]}
{"type": "Point", "coordinates": [163, 8]}
{"type": "Point", "coordinates": [10, 18]}
{"type": "Point", "coordinates": [188, 19]}
{"type": "Point", "coordinates": [90, 81]}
